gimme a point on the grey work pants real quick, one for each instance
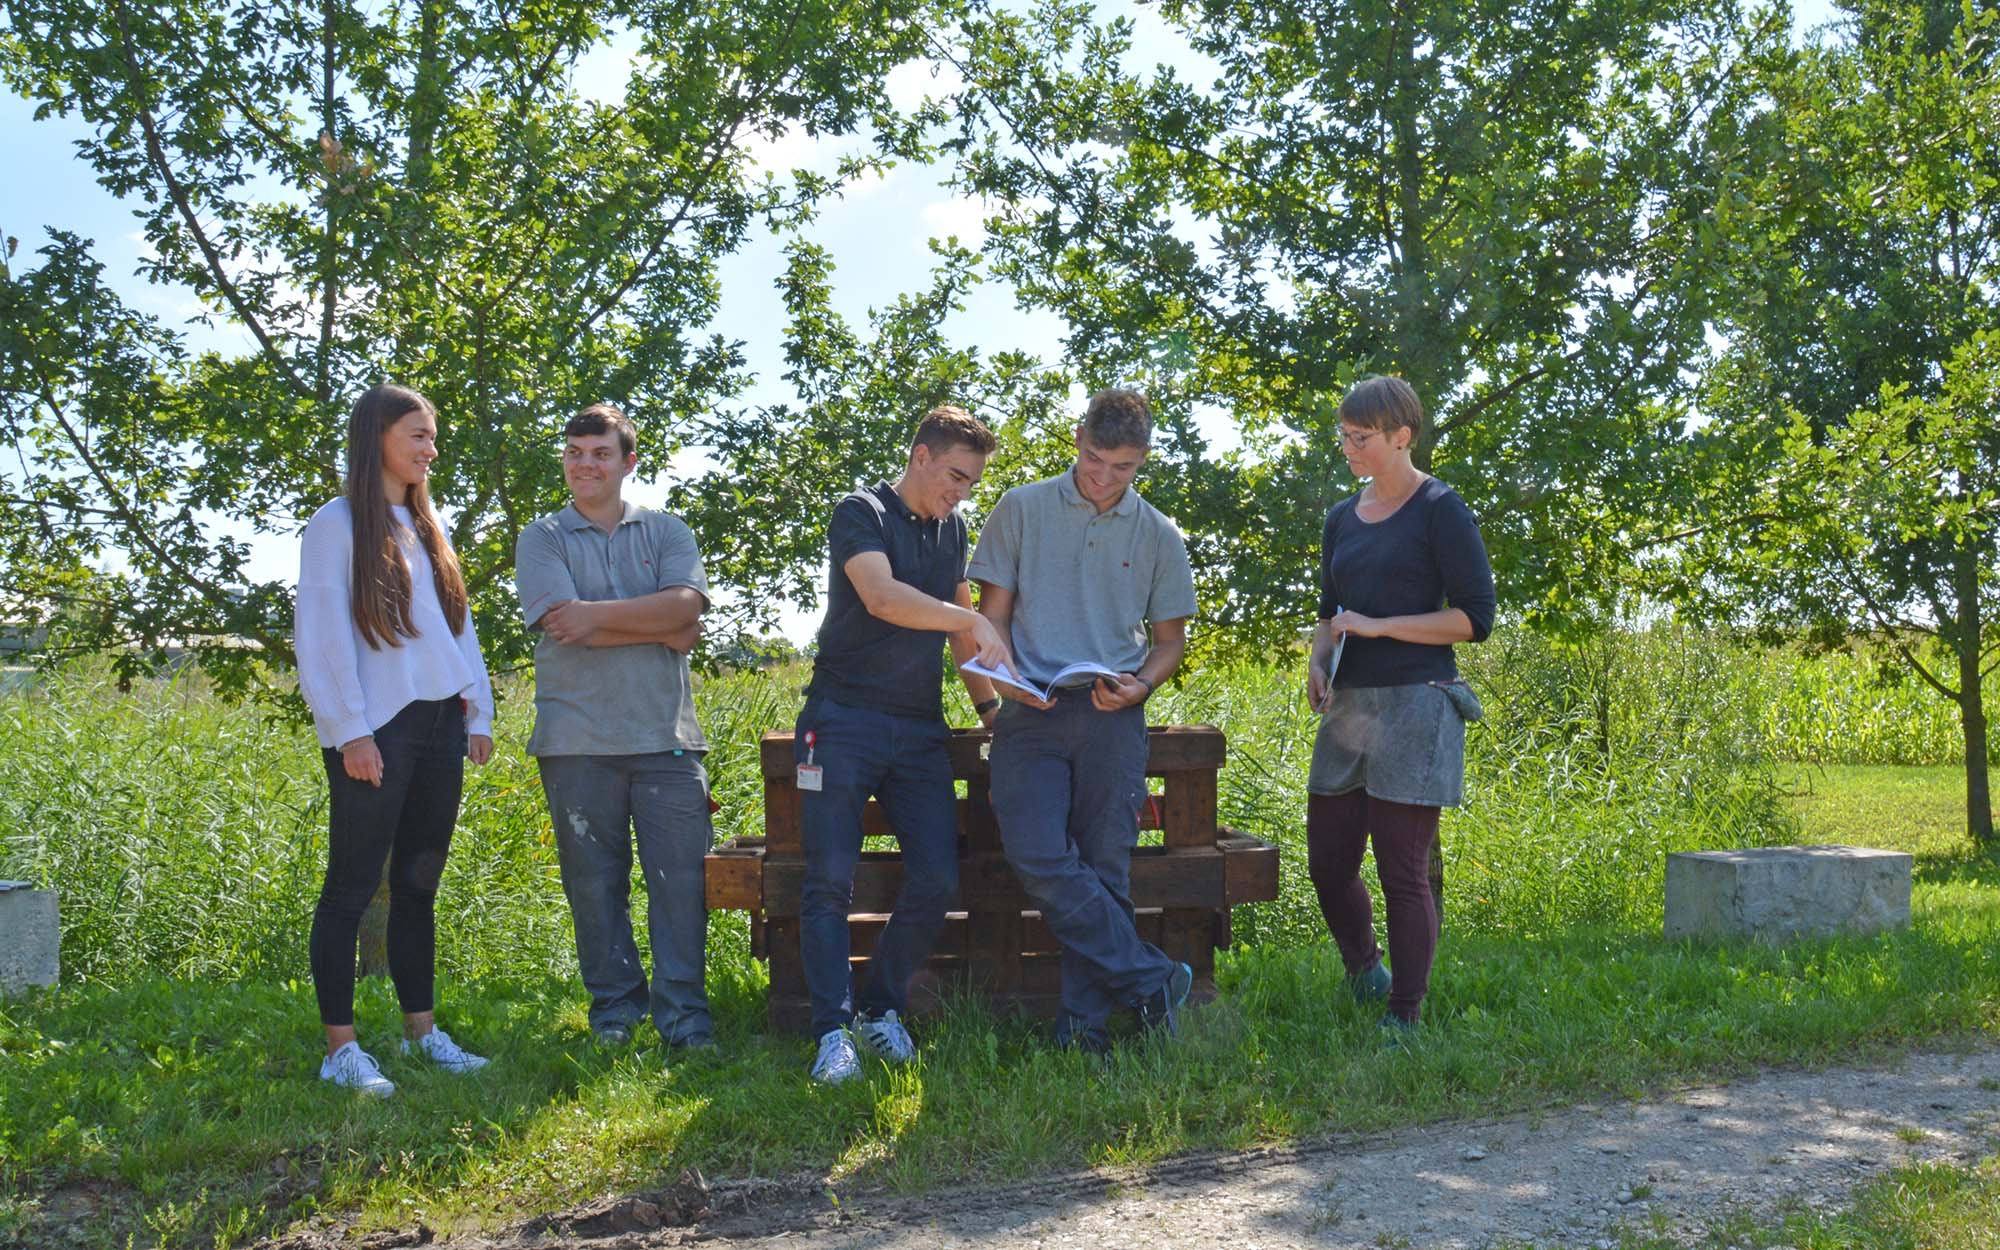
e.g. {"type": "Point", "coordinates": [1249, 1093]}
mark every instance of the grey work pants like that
{"type": "Point", "coordinates": [601, 806]}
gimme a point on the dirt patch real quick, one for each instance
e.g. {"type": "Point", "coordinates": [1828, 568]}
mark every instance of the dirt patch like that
{"type": "Point", "coordinates": [1676, 1165]}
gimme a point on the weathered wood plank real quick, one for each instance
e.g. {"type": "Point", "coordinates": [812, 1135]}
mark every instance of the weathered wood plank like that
{"type": "Point", "coordinates": [781, 816]}
{"type": "Point", "coordinates": [1170, 748]}
{"type": "Point", "coordinates": [1161, 877]}
{"type": "Point", "coordinates": [1190, 808]}
{"type": "Point", "coordinates": [733, 879]}
{"type": "Point", "coordinates": [1250, 868]}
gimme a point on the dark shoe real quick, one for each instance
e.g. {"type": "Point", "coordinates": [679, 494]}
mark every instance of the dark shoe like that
{"type": "Point", "coordinates": [1396, 1031]}
{"type": "Point", "coordinates": [610, 1036]}
{"type": "Point", "coordinates": [1371, 986]}
{"type": "Point", "coordinates": [1162, 1009]}
{"type": "Point", "coordinates": [1093, 1042]}
{"type": "Point", "coordinates": [1073, 1034]}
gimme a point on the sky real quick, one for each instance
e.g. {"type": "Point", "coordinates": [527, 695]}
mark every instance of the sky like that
{"type": "Point", "coordinates": [877, 235]}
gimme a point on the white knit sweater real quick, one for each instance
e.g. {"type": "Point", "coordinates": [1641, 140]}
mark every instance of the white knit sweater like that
{"type": "Point", "coordinates": [353, 688]}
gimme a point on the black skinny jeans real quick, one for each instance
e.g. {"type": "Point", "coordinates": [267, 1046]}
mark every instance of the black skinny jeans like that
{"type": "Point", "coordinates": [406, 821]}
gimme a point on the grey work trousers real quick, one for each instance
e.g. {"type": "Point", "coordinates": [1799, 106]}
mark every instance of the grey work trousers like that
{"type": "Point", "coordinates": [601, 806]}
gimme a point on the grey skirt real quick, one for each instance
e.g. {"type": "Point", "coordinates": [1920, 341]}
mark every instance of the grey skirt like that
{"type": "Point", "coordinates": [1405, 744]}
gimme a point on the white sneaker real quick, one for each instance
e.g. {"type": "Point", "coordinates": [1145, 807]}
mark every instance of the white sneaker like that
{"type": "Point", "coordinates": [355, 1068]}
{"type": "Point", "coordinates": [438, 1047]}
{"type": "Point", "coordinates": [837, 1059]}
{"type": "Point", "coordinates": [887, 1039]}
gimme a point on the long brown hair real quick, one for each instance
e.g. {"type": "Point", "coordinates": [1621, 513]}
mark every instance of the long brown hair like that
{"type": "Point", "coordinates": [381, 579]}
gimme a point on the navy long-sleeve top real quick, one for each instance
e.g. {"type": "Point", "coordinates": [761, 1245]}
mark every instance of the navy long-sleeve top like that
{"type": "Point", "coordinates": [1425, 556]}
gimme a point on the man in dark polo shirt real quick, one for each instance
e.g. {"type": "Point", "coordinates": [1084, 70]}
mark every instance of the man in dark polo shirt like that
{"type": "Point", "coordinates": [873, 725]}
{"type": "Point", "coordinates": [1076, 568]}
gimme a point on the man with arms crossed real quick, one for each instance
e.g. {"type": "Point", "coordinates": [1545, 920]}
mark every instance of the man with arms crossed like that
{"type": "Point", "coordinates": [1076, 568]}
{"type": "Point", "coordinates": [873, 724]}
{"type": "Point", "coordinates": [617, 592]}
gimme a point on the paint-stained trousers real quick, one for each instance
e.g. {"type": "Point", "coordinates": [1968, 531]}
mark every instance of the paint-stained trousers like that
{"type": "Point", "coordinates": [601, 806]}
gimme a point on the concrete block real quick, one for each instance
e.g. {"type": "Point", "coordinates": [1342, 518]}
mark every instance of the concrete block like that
{"type": "Point", "coordinates": [30, 942]}
{"type": "Point", "coordinates": [1781, 892]}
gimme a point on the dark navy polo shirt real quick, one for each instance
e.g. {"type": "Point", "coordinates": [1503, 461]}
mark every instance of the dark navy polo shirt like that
{"type": "Point", "coordinates": [864, 661]}
{"type": "Point", "coordinates": [1424, 556]}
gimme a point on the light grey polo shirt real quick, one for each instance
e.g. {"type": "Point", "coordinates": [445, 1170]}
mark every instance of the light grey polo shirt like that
{"type": "Point", "coordinates": [632, 700]}
{"type": "Point", "coordinates": [1086, 584]}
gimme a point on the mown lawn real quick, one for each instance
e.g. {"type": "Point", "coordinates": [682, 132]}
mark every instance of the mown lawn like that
{"type": "Point", "coordinates": [1920, 809]}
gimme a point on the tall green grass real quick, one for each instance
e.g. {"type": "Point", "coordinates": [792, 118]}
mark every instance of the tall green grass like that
{"type": "Point", "coordinates": [187, 835]}
{"type": "Point", "coordinates": [1592, 763]}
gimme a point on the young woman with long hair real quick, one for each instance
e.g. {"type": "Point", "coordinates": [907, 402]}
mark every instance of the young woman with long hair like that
{"type": "Point", "coordinates": [391, 668]}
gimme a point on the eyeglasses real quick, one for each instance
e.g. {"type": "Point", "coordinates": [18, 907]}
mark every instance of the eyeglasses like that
{"type": "Point", "coordinates": [1360, 439]}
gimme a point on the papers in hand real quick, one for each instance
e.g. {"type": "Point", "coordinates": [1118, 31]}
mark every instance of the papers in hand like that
{"type": "Point", "coordinates": [1045, 693]}
{"type": "Point", "coordinates": [1332, 667]}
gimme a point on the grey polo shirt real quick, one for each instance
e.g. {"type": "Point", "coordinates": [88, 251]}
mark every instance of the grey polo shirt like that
{"type": "Point", "coordinates": [632, 700]}
{"type": "Point", "coordinates": [1086, 584]}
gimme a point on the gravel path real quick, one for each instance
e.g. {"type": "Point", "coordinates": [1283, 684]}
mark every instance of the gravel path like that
{"type": "Point", "coordinates": [1571, 1177]}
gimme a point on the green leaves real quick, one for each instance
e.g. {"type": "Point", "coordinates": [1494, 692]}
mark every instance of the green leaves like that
{"type": "Point", "coordinates": [1849, 478]}
{"type": "Point", "coordinates": [1497, 202]}
{"type": "Point", "coordinates": [419, 192]}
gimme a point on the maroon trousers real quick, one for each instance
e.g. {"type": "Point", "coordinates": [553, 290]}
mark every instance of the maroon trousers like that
{"type": "Point", "coordinates": [1338, 828]}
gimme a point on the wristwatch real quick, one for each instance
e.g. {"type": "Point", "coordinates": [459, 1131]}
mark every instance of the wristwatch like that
{"type": "Point", "coordinates": [981, 709]}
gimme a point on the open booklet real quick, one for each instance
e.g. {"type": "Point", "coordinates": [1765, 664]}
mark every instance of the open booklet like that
{"type": "Point", "coordinates": [1045, 693]}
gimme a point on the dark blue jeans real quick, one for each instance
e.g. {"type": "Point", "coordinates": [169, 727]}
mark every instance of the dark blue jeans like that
{"type": "Point", "coordinates": [1067, 785]}
{"type": "Point", "coordinates": [407, 822]}
{"type": "Point", "coordinates": [901, 761]}
{"type": "Point", "coordinates": [601, 805]}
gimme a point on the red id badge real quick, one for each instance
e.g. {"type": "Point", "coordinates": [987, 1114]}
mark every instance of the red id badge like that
{"type": "Point", "coordinates": [811, 775]}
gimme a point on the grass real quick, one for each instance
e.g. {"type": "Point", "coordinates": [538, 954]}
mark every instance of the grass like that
{"type": "Point", "coordinates": [1933, 1206]}
{"type": "Point", "coordinates": [164, 1096]}
{"type": "Point", "coordinates": [192, 1103]}
{"type": "Point", "coordinates": [1921, 809]}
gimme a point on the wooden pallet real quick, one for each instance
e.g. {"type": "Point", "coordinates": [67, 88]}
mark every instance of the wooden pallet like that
{"type": "Point", "coordinates": [996, 942]}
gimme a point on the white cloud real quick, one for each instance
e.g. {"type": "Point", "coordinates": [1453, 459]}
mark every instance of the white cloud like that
{"type": "Point", "coordinates": [960, 215]}
{"type": "Point", "coordinates": [909, 83]}
{"type": "Point", "coordinates": [793, 149]}
{"type": "Point", "coordinates": [602, 72]}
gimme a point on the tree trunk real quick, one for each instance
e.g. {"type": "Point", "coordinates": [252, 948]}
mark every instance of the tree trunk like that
{"type": "Point", "coordinates": [1971, 707]}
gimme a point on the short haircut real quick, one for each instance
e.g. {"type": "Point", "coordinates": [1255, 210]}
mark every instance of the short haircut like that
{"type": "Point", "coordinates": [947, 426]}
{"type": "Point", "coordinates": [1119, 417]}
{"type": "Point", "coordinates": [1385, 404]}
{"type": "Point", "coordinates": [605, 419]}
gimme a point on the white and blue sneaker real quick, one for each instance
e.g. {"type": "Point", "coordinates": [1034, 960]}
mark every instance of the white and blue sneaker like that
{"type": "Point", "coordinates": [887, 1039]}
{"type": "Point", "coordinates": [438, 1047]}
{"type": "Point", "coordinates": [355, 1069]}
{"type": "Point", "coordinates": [837, 1061]}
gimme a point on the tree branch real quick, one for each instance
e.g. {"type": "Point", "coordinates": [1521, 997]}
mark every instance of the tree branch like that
{"type": "Point", "coordinates": [157, 155]}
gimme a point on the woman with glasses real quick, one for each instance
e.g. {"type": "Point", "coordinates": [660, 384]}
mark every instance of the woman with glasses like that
{"type": "Point", "coordinates": [391, 669]}
{"type": "Point", "coordinates": [1403, 576]}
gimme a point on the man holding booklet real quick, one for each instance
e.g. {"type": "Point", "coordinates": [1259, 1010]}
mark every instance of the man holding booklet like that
{"type": "Point", "coordinates": [1091, 586]}
{"type": "Point", "coordinates": [873, 725]}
